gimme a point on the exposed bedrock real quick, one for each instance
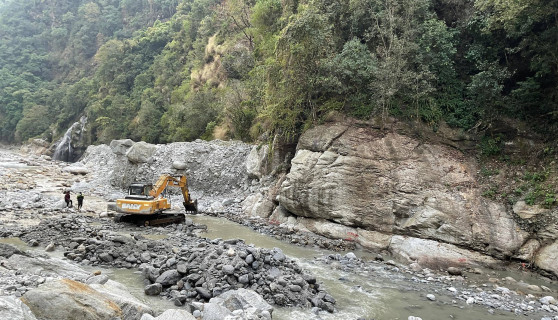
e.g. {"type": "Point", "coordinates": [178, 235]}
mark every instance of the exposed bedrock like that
{"type": "Point", "coordinates": [368, 185]}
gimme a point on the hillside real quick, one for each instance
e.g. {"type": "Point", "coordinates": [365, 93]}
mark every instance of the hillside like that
{"type": "Point", "coordinates": [170, 70]}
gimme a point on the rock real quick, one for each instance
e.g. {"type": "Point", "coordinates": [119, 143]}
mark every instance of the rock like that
{"type": "Point", "coordinates": [168, 278]}
{"type": "Point", "coordinates": [389, 195]}
{"type": "Point", "coordinates": [548, 300]}
{"type": "Point", "coordinates": [204, 293]}
{"type": "Point", "coordinates": [431, 297]}
{"type": "Point", "coordinates": [75, 169]}
{"type": "Point", "coordinates": [12, 308]}
{"type": "Point", "coordinates": [527, 211]}
{"type": "Point", "coordinates": [470, 300]}
{"type": "Point", "coordinates": [179, 165]}
{"type": "Point", "coordinates": [99, 279]}
{"type": "Point", "coordinates": [256, 162]}
{"type": "Point", "coordinates": [67, 299]}
{"type": "Point", "coordinates": [350, 256]}
{"type": "Point", "coordinates": [435, 255]}
{"type": "Point", "coordinates": [228, 269]}
{"type": "Point", "coordinates": [213, 311]}
{"type": "Point", "coordinates": [455, 271]}
{"type": "Point", "coordinates": [141, 152]}
{"type": "Point", "coordinates": [546, 258]}
{"type": "Point", "coordinates": [153, 289]}
{"type": "Point", "coordinates": [120, 147]}
{"type": "Point", "coordinates": [240, 299]}
{"type": "Point", "coordinates": [173, 314]}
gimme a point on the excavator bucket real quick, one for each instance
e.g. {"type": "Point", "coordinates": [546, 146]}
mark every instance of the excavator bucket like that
{"type": "Point", "coordinates": [191, 207]}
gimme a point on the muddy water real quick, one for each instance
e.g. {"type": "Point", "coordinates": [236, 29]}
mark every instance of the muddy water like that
{"type": "Point", "coordinates": [385, 296]}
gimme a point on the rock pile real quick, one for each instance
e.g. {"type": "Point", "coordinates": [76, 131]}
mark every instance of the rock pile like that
{"type": "Point", "coordinates": [184, 268]}
{"type": "Point", "coordinates": [204, 269]}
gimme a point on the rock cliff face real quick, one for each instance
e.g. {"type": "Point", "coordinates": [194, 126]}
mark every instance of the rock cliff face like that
{"type": "Point", "coordinates": [382, 189]}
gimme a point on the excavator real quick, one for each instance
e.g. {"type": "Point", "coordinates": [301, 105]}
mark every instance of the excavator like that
{"type": "Point", "coordinates": [145, 203]}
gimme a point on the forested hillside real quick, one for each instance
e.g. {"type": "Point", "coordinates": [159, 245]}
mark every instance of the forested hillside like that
{"type": "Point", "coordinates": [178, 70]}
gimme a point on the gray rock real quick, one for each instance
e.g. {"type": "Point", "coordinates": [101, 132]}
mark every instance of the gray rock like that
{"type": "Point", "coordinates": [153, 289]}
{"type": "Point", "coordinates": [141, 152]}
{"type": "Point", "coordinates": [204, 293]}
{"type": "Point", "coordinates": [12, 308]}
{"type": "Point", "coordinates": [228, 269]}
{"type": "Point", "coordinates": [168, 278]}
{"type": "Point", "coordinates": [213, 311]}
{"type": "Point", "coordinates": [455, 271]}
{"type": "Point", "coordinates": [120, 147]}
{"type": "Point", "coordinates": [179, 165]}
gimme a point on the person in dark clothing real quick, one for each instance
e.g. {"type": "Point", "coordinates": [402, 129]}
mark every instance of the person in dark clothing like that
{"type": "Point", "coordinates": [67, 199]}
{"type": "Point", "coordinates": [80, 200]}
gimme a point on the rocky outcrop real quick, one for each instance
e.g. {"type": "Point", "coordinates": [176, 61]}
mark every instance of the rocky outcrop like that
{"type": "Point", "coordinates": [366, 185]}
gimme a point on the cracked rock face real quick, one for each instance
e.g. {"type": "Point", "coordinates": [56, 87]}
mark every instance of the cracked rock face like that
{"type": "Point", "coordinates": [386, 182]}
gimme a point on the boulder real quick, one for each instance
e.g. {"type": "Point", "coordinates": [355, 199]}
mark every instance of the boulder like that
{"type": "Point", "coordinates": [68, 299]}
{"type": "Point", "coordinates": [168, 278]}
{"type": "Point", "coordinates": [12, 308]}
{"type": "Point", "coordinates": [141, 152]}
{"type": "Point", "coordinates": [258, 205]}
{"type": "Point", "coordinates": [232, 300]}
{"type": "Point", "coordinates": [120, 147]}
{"type": "Point", "coordinates": [257, 163]}
{"type": "Point", "coordinates": [179, 165]}
{"type": "Point", "coordinates": [76, 169]}
{"type": "Point", "coordinates": [546, 258]}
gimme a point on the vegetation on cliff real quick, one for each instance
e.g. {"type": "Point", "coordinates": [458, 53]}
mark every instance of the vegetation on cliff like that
{"type": "Point", "coordinates": [175, 70]}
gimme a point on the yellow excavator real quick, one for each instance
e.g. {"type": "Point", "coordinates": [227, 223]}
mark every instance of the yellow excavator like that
{"type": "Point", "coordinates": [145, 203]}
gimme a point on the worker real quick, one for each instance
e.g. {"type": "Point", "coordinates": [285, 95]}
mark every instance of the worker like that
{"type": "Point", "coordinates": [67, 199]}
{"type": "Point", "coordinates": [80, 200]}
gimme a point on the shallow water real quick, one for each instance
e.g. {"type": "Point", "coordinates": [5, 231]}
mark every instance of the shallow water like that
{"type": "Point", "coordinates": [384, 296]}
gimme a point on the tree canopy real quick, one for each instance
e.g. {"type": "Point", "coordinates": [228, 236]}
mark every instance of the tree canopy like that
{"type": "Point", "coordinates": [179, 70]}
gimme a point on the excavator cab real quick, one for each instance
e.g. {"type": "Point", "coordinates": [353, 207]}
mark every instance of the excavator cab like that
{"type": "Point", "coordinates": [139, 191]}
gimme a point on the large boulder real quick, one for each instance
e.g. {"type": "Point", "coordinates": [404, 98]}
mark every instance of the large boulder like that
{"type": "Point", "coordinates": [390, 183]}
{"type": "Point", "coordinates": [68, 299]}
{"type": "Point", "coordinates": [141, 152]}
{"type": "Point", "coordinates": [121, 147]}
{"type": "Point", "coordinates": [257, 163]}
{"type": "Point", "coordinates": [251, 303]}
{"type": "Point", "coordinates": [12, 308]}
{"type": "Point", "coordinates": [546, 258]}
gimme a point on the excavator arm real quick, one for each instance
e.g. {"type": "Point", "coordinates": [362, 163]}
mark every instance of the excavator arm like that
{"type": "Point", "coordinates": [176, 181]}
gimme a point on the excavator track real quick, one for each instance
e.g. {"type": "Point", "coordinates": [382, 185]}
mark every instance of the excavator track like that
{"type": "Point", "coordinates": [151, 220]}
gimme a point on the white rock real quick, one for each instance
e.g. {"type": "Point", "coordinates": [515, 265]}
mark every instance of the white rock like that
{"type": "Point", "coordinates": [470, 300]}
{"type": "Point", "coordinates": [431, 297]}
{"type": "Point", "coordinates": [547, 300]}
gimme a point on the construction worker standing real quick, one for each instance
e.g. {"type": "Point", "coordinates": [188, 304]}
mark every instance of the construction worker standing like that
{"type": "Point", "coordinates": [80, 200]}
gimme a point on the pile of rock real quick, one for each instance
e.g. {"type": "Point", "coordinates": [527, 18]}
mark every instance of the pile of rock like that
{"type": "Point", "coordinates": [204, 269]}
